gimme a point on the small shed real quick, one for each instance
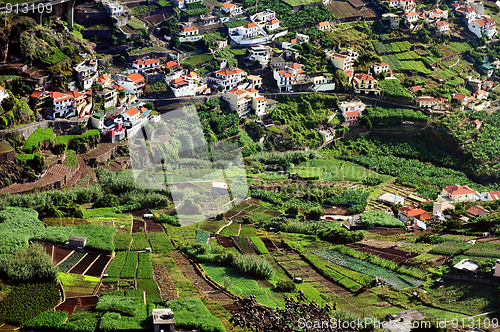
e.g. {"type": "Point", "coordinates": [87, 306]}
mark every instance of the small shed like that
{"type": "Point", "coordinates": [163, 320]}
{"type": "Point", "coordinates": [77, 242]}
{"type": "Point", "coordinates": [391, 199]}
{"type": "Point", "coordinates": [466, 265]}
{"type": "Point", "coordinates": [220, 187]}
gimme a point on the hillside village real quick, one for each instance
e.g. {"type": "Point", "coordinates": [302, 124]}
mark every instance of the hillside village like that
{"type": "Point", "coordinates": [242, 166]}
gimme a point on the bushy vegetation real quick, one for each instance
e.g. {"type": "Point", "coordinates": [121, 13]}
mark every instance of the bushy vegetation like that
{"type": "Point", "coordinates": [145, 269]}
{"type": "Point", "coordinates": [115, 267]}
{"type": "Point", "coordinates": [82, 322]}
{"type": "Point", "coordinates": [340, 235]}
{"type": "Point", "coordinates": [254, 265]}
{"type": "Point", "coordinates": [394, 88]}
{"type": "Point", "coordinates": [380, 218]}
{"type": "Point", "coordinates": [26, 301]}
{"type": "Point", "coordinates": [139, 241]}
{"type": "Point", "coordinates": [47, 320]}
{"type": "Point", "coordinates": [381, 115]}
{"type": "Point", "coordinates": [99, 238]}
{"type": "Point", "coordinates": [39, 136]}
{"type": "Point", "coordinates": [202, 237]}
{"type": "Point", "coordinates": [29, 264]}
{"type": "Point", "coordinates": [191, 313]}
{"type": "Point", "coordinates": [17, 225]}
{"type": "Point", "coordinates": [122, 240]}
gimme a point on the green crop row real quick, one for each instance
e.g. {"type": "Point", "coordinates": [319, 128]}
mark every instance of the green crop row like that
{"type": "Point", "coordinates": [259, 245]}
{"type": "Point", "coordinates": [115, 267]}
{"type": "Point", "coordinates": [130, 266]}
{"type": "Point", "coordinates": [160, 243]}
{"type": "Point", "coordinates": [145, 269]}
{"type": "Point", "coordinates": [140, 241]}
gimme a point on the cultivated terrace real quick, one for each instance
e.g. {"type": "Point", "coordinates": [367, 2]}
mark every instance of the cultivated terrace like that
{"type": "Point", "coordinates": [272, 165]}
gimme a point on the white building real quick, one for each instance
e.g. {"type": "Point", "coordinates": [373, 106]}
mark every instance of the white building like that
{"type": "Point", "coordinates": [86, 72]}
{"type": "Point", "coordinates": [324, 26]}
{"type": "Point", "coordinates": [182, 3]}
{"type": "Point", "coordinates": [231, 8]}
{"type": "Point", "coordinates": [243, 101]}
{"type": "Point", "coordinates": [227, 79]}
{"type": "Point", "coordinates": [188, 85]}
{"type": "Point", "coordinates": [133, 120]}
{"type": "Point", "coordinates": [114, 8]}
{"type": "Point", "coordinates": [380, 68]}
{"type": "Point", "coordinates": [189, 34]}
{"type": "Point", "coordinates": [132, 83]}
{"type": "Point", "coordinates": [298, 40]}
{"type": "Point", "coordinates": [366, 84]}
{"type": "Point", "coordinates": [411, 17]}
{"type": "Point", "coordinates": [469, 13]}
{"type": "Point", "coordinates": [456, 193]}
{"type": "Point", "coordinates": [344, 60]}
{"type": "Point", "coordinates": [272, 25]}
{"type": "Point", "coordinates": [442, 26]}
{"type": "Point", "coordinates": [483, 26]}
{"type": "Point", "coordinates": [426, 102]}
{"type": "Point", "coordinates": [68, 104]}
{"type": "Point", "coordinates": [259, 53]}
{"type": "Point", "coordinates": [352, 110]}
{"type": "Point", "coordinates": [322, 83]}
{"type": "Point", "coordinates": [266, 19]}
{"type": "Point", "coordinates": [145, 64]}
{"type": "Point", "coordinates": [248, 34]}
{"type": "Point", "coordinates": [284, 80]}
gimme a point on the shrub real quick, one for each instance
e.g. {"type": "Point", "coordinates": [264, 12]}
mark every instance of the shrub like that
{"type": "Point", "coordinates": [108, 200]}
{"type": "Point", "coordinates": [168, 219]}
{"type": "Point", "coordinates": [340, 235]}
{"type": "Point", "coordinates": [82, 322]}
{"type": "Point", "coordinates": [109, 321]}
{"type": "Point", "coordinates": [380, 218]}
{"type": "Point", "coordinates": [30, 264]}
{"type": "Point", "coordinates": [286, 286]}
{"type": "Point", "coordinates": [47, 320]}
{"type": "Point", "coordinates": [257, 266]}
{"type": "Point", "coordinates": [16, 226]}
{"type": "Point", "coordinates": [191, 313]}
{"type": "Point", "coordinates": [26, 301]}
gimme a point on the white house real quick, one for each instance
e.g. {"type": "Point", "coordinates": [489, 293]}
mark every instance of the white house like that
{"type": "Point", "coordinates": [187, 85]}
{"type": "Point", "coordinates": [86, 72]}
{"type": "Point", "coordinates": [227, 79]}
{"type": "Point", "coordinates": [145, 64]}
{"type": "Point", "coordinates": [132, 83]}
{"type": "Point", "coordinates": [352, 110]}
{"type": "Point", "coordinates": [231, 8]}
{"type": "Point", "coordinates": [456, 193]}
{"type": "Point", "coordinates": [259, 53]}
{"type": "Point", "coordinates": [243, 101]}
{"type": "Point", "coordinates": [182, 3]}
{"type": "Point", "coordinates": [114, 8]}
{"type": "Point", "coordinates": [468, 12]}
{"type": "Point", "coordinates": [344, 60]}
{"type": "Point", "coordinates": [71, 103]}
{"type": "Point", "coordinates": [483, 26]}
{"type": "Point", "coordinates": [490, 196]}
{"type": "Point", "coordinates": [283, 80]}
{"type": "Point", "coordinates": [411, 213]}
{"type": "Point", "coordinates": [298, 40]}
{"type": "Point", "coordinates": [366, 84]}
{"type": "Point", "coordinates": [411, 17]}
{"type": "Point", "coordinates": [248, 34]}
{"type": "Point", "coordinates": [189, 34]}
{"type": "Point", "coordinates": [425, 101]}
{"type": "Point", "coordinates": [381, 67]}
{"type": "Point", "coordinates": [442, 27]}
{"type": "Point", "coordinates": [324, 26]}
{"type": "Point", "coordinates": [322, 83]}
{"type": "Point", "coordinates": [272, 25]}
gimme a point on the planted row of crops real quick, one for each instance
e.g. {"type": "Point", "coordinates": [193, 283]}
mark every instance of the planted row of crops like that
{"type": "Point", "coordinates": [377, 113]}
{"type": "Point", "coordinates": [410, 55]}
{"type": "Point", "coordinates": [115, 267]}
{"type": "Point", "coordinates": [387, 264]}
{"type": "Point", "coordinates": [395, 279]}
{"type": "Point", "coordinates": [140, 241]}
{"type": "Point", "coordinates": [392, 61]}
{"type": "Point", "coordinates": [381, 219]}
{"type": "Point", "coordinates": [145, 268]}
{"type": "Point", "coordinates": [401, 46]}
{"type": "Point", "coordinates": [394, 88]}
{"type": "Point", "coordinates": [202, 237]}
{"type": "Point", "coordinates": [259, 245]}
{"type": "Point", "coordinates": [160, 243]}
{"type": "Point", "coordinates": [382, 48]}
{"type": "Point", "coordinates": [484, 249]}
{"type": "Point", "coordinates": [416, 65]}
{"type": "Point", "coordinates": [243, 244]}
{"type": "Point", "coordinates": [130, 265]}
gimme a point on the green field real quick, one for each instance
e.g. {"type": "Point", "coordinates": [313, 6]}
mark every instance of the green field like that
{"type": "Point", "coordinates": [339, 170]}
{"type": "Point", "coordinates": [300, 2]}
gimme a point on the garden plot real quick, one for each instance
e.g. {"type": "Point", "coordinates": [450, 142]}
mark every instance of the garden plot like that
{"type": "Point", "coordinates": [395, 255]}
{"type": "Point", "coordinates": [269, 244]}
{"type": "Point", "coordinates": [225, 241]}
{"type": "Point", "coordinates": [297, 267]}
{"type": "Point", "coordinates": [70, 261]}
{"type": "Point", "coordinates": [78, 285]}
{"type": "Point", "coordinates": [84, 264]}
{"type": "Point", "coordinates": [399, 281]}
{"type": "Point", "coordinates": [98, 267]}
{"type": "Point", "coordinates": [243, 245]}
{"type": "Point", "coordinates": [137, 225]}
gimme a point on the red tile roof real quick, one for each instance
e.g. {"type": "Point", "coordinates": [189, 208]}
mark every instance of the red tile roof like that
{"type": "Point", "coordinates": [416, 88]}
{"type": "Point", "coordinates": [494, 195]}
{"type": "Point", "coordinates": [458, 190]}
{"type": "Point", "coordinates": [322, 24]}
{"type": "Point", "coordinates": [136, 78]}
{"type": "Point", "coordinates": [37, 93]}
{"type": "Point", "coordinates": [476, 210]}
{"type": "Point", "coordinates": [250, 25]}
{"type": "Point", "coordinates": [480, 23]}
{"type": "Point", "coordinates": [228, 5]}
{"type": "Point", "coordinates": [411, 211]}
{"type": "Point", "coordinates": [145, 62]}
{"type": "Point", "coordinates": [225, 72]}
{"type": "Point", "coordinates": [364, 77]}
{"type": "Point", "coordinates": [274, 21]}
{"type": "Point", "coordinates": [296, 65]}
{"type": "Point", "coordinates": [459, 96]}
{"type": "Point", "coordinates": [132, 111]}
{"type": "Point", "coordinates": [186, 29]}
{"type": "Point", "coordinates": [352, 113]}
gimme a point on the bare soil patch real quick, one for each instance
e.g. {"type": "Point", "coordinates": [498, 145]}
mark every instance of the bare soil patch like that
{"type": "Point", "coordinates": [392, 254]}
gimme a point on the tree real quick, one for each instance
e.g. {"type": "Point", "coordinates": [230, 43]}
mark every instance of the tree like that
{"type": "Point", "coordinates": [108, 200]}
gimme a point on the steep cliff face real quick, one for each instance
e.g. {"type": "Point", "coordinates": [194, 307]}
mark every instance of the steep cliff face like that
{"type": "Point", "coordinates": [22, 39]}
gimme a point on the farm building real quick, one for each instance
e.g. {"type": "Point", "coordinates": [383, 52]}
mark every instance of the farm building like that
{"type": "Point", "coordinates": [77, 242]}
{"type": "Point", "coordinates": [391, 199]}
{"type": "Point", "coordinates": [163, 320]}
{"type": "Point", "coordinates": [412, 213]}
{"type": "Point", "coordinates": [457, 193]}
{"type": "Point", "coordinates": [220, 187]}
{"type": "Point", "coordinates": [476, 211]}
{"type": "Point", "coordinates": [466, 265]}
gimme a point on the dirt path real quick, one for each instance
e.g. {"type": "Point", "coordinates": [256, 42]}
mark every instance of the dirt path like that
{"type": "Point", "coordinates": [456, 63]}
{"type": "Point", "coordinates": [220, 229]}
